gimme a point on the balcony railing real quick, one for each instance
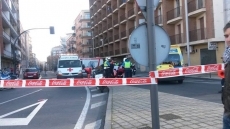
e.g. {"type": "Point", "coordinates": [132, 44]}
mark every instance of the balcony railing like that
{"type": "Point", "coordinates": [122, 17]}
{"type": "Point", "coordinates": [131, 30]}
{"type": "Point", "coordinates": [123, 34]}
{"type": "Point", "coordinates": [110, 53]}
{"type": "Point", "coordinates": [158, 20]}
{"type": "Point", "coordinates": [122, 2]}
{"type": "Point", "coordinates": [115, 21]}
{"type": "Point", "coordinates": [131, 12]}
{"type": "Point", "coordinates": [116, 36]}
{"type": "Point", "coordinates": [124, 50]}
{"type": "Point", "coordinates": [110, 39]}
{"type": "Point", "coordinates": [199, 34]}
{"type": "Point", "coordinates": [176, 39]}
{"type": "Point", "coordinates": [195, 5]}
{"type": "Point", "coordinates": [176, 12]}
{"type": "Point", "coordinates": [117, 52]}
{"type": "Point", "coordinates": [114, 6]}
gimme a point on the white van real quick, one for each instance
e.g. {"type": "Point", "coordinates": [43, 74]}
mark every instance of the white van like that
{"type": "Point", "coordinates": [69, 66]}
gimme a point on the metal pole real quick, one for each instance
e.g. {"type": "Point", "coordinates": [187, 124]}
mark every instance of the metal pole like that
{"type": "Point", "coordinates": [187, 30]}
{"type": "Point", "coordinates": [152, 64]}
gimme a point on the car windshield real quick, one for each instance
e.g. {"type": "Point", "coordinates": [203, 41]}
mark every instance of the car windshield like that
{"type": "Point", "coordinates": [31, 70]}
{"type": "Point", "coordinates": [69, 63]}
{"type": "Point", "coordinates": [173, 58]}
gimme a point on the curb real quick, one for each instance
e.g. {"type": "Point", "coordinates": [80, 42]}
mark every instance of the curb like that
{"type": "Point", "coordinates": [108, 117]}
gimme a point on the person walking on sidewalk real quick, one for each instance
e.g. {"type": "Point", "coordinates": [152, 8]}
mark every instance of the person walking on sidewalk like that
{"type": "Point", "coordinates": [226, 89]}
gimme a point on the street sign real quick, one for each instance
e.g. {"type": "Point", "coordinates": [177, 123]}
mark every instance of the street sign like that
{"type": "Point", "coordinates": [138, 45]}
{"type": "Point", "coordinates": [142, 5]}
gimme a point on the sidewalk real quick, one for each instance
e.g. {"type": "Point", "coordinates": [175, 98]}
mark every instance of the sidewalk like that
{"type": "Point", "coordinates": [130, 109]}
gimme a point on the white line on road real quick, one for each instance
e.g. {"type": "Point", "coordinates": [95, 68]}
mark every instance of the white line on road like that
{"type": "Point", "coordinates": [21, 121]}
{"type": "Point", "coordinates": [97, 95]}
{"type": "Point", "coordinates": [94, 125]}
{"type": "Point", "coordinates": [85, 109]}
{"type": "Point", "coordinates": [20, 97]}
{"type": "Point", "coordinates": [94, 90]}
{"type": "Point", "coordinates": [95, 105]}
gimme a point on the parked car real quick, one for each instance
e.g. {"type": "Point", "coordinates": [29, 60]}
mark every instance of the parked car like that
{"type": "Point", "coordinates": [31, 73]}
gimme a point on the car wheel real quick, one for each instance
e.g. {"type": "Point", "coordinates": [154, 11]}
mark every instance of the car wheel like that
{"type": "Point", "coordinates": [180, 81]}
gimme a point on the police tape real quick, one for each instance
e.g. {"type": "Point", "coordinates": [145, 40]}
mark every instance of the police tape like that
{"type": "Point", "coordinates": [185, 71]}
{"type": "Point", "coordinates": [152, 79]}
{"type": "Point", "coordinates": [76, 82]}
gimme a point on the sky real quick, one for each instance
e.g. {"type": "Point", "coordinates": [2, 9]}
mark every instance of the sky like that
{"type": "Point", "coordinates": [45, 13]}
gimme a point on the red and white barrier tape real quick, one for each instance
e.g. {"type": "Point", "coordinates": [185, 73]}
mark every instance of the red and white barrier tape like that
{"type": "Point", "coordinates": [184, 71]}
{"type": "Point", "coordinates": [77, 82]}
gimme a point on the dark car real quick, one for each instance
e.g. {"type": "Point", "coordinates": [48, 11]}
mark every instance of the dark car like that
{"type": "Point", "coordinates": [31, 73]}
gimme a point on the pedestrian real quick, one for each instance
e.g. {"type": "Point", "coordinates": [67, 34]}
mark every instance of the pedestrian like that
{"type": "Point", "coordinates": [107, 73]}
{"type": "Point", "coordinates": [127, 65]}
{"type": "Point", "coordinates": [226, 88]}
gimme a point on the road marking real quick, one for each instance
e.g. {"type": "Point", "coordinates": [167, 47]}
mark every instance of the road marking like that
{"type": "Point", "coordinates": [20, 97]}
{"type": "Point", "coordinates": [85, 109]}
{"type": "Point", "coordinates": [206, 82]}
{"type": "Point", "coordinates": [97, 95]}
{"type": "Point", "coordinates": [95, 105]}
{"type": "Point", "coordinates": [94, 125]}
{"type": "Point", "coordinates": [21, 121]}
{"type": "Point", "coordinates": [94, 90]}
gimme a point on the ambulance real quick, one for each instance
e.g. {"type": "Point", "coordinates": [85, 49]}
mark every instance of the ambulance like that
{"type": "Point", "coordinates": [69, 66]}
{"type": "Point", "coordinates": [174, 60]}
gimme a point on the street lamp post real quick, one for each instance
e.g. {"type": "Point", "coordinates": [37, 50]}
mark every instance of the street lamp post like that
{"type": "Point", "coordinates": [51, 28]}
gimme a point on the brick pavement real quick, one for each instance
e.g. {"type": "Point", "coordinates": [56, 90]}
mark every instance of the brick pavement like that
{"type": "Point", "coordinates": [130, 109]}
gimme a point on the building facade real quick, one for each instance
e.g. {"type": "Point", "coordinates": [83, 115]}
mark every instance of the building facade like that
{"type": "Point", "coordinates": [9, 30]}
{"type": "Point", "coordinates": [83, 34]}
{"type": "Point", "coordinates": [71, 44]}
{"type": "Point", "coordinates": [55, 53]}
{"type": "Point", "coordinates": [114, 20]}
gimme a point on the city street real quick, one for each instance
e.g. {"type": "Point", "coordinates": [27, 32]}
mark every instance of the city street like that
{"type": "Point", "coordinates": [52, 108]}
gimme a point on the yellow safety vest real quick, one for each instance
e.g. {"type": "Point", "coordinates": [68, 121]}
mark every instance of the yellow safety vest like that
{"type": "Point", "coordinates": [127, 64]}
{"type": "Point", "coordinates": [105, 64]}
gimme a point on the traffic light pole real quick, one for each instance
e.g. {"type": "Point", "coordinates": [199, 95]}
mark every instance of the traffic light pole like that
{"type": "Point", "coordinates": [15, 41]}
{"type": "Point", "coordinates": [152, 63]}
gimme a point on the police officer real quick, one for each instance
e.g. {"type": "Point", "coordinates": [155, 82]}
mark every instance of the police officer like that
{"type": "Point", "coordinates": [107, 73]}
{"type": "Point", "coordinates": [127, 65]}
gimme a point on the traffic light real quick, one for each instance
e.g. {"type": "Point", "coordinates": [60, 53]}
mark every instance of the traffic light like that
{"type": "Point", "coordinates": [52, 30]}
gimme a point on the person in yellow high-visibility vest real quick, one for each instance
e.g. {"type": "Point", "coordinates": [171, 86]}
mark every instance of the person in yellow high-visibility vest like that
{"type": "Point", "coordinates": [127, 65]}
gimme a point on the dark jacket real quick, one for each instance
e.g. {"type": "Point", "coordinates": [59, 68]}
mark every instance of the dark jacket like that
{"type": "Point", "coordinates": [226, 90]}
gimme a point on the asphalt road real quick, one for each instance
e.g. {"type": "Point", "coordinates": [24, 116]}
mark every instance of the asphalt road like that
{"type": "Point", "coordinates": [203, 89]}
{"type": "Point", "coordinates": [52, 108]}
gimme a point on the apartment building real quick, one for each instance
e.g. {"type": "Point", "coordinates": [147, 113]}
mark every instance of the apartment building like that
{"type": "Point", "coordinates": [83, 34]}
{"type": "Point", "coordinates": [71, 44]}
{"type": "Point", "coordinates": [55, 53]}
{"type": "Point", "coordinates": [9, 30]}
{"type": "Point", "coordinates": [112, 23]}
{"type": "Point", "coordinates": [114, 20]}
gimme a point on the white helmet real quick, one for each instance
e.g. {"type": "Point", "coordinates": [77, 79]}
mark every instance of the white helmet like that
{"type": "Point", "coordinates": [108, 58]}
{"type": "Point", "coordinates": [124, 59]}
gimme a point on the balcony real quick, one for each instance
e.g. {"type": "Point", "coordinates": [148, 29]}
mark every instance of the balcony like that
{"type": "Point", "coordinates": [86, 35]}
{"type": "Point", "coordinates": [86, 51]}
{"type": "Point", "coordinates": [176, 39]}
{"type": "Point", "coordinates": [199, 34]}
{"type": "Point", "coordinates": [111, 53]}
{"type": "Point", "coordinates": [122, 2]}
{"type": "Point", "coordinates": [131, 30]}
{"type": "Point", "coordinates": [158, 20]}
{"type": "Point", "coordinates": [114, 7]}
{"type": "Point", "coordinates": [89, 43]}
{"type": "Point", "coordinates": [110, 39]}
{"type": "Point", "coordinates": [85, 27]}
{"type": "Point", "coordinates": [9, 23]}
{"type": "Point", "coordinates": [115, 21]}
{"type": "Point", "coordinates": [116, 37]}
{"type": "Point", "coordinates": [109, 10]}
{"type": "Point", "coordinates": [104, 28]}
{"type": "Point", "coordinates": [106, 54]}
{"type": "Point", "coordinates": [124, 50]}
{"type": "Point", "coordinates": [123, 34]}
{"type": "Point", "coordinates": [174, 16]}
{"type": "Point", "coordinates": [123, 17]}
{"type": "Point", "coordinates": [7, 54]}
{"type": "Point", "coordinates": [110, 25]}
{"type": "Point", "coordinates": [196, 8]}
{"type": "Point", "coordinates": [85, 18]}
{"type": "Point", "coordinates": [131, 13]}
{"type": "Point", "coordinates": [117, 52]}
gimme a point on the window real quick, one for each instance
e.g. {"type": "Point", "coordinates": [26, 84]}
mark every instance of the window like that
{"type": "Point", "coordinates": [69, 63]}
{"type": "Point", "coordinates": [173, 58]}
{"type": "Point", "coordinates": [31, 70]}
